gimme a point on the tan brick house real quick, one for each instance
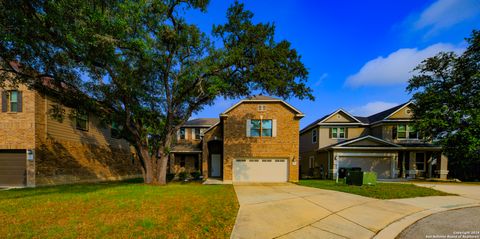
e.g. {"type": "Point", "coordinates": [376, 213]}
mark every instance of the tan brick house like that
{"type": "Point", "coordinates": [186, 154]}
{"type": "Point", "coordinates": [255, 140]}
{"type": "Point", "coordinates": [39, 149]}
{"type": "Point", "coordinates": [385, 143]}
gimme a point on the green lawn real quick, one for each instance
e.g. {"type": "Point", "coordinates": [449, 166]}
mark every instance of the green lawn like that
{"type": "Point", "coordinates": [381, 190]}
{"type": "Point", "coordinates": [120, 210]}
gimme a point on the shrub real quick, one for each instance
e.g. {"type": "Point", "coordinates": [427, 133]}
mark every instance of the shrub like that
{"type": "Point", "coordinates": [196, 175]}
{"type": "Point", "coordinates": [182, 176]}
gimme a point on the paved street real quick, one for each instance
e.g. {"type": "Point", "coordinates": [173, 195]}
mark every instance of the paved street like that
{"type": "Point", "coordinates": [451, 223]}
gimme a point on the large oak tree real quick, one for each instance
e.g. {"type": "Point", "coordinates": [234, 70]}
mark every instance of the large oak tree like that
{"type": "Point", "coordinates": [447, 96]}
{"type": "Point", "coordinates": [142, 65]}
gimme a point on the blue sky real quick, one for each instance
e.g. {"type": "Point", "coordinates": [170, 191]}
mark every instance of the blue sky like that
{"type": "Point", "coordinates": [359, 54]}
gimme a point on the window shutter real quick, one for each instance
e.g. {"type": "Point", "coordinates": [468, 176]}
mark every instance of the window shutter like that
{"type": "Point", "coordinates": [394, 132]}
{"type": "Point", "coordinates": [346, 132]}
{"type": "Point", "coordinates": [248, 126]}
{"type": "Point", "coordinates": [274, 128]}
{"type": "Point", "coordinates": [4, 101]}
{"type": "Point", "coordinates": [330, 132]}
{"type": "Point", "coordinates": [178, 134]}
{"type": "Point", "coordinates": [19, 101]}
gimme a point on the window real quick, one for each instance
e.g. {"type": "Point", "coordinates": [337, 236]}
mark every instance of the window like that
{"type": "Point", "coordinates": [405, 131]}
{"type": "Point", "coordinates": [81, 120]}
{"type": "Point", "coordinates": [116, 130]}
{"type": "Point", "coordinates": [314, 136]}
{"type": "Point", "coordinates": [182, 133]}
{"type": "Point", "coordinates": [261, 128]}
{"type": "Point", "coordinates": [12, 101]}
{"type": "Point", "coordinates": [262, 107]}
{"type": "Point", "coordinates": [13, 97]}
{"type": "Point", "coordinates": [420, 161]}
{"type": "Point", "coordinates": [197, 133]}
{"type": "Point", "coordinates": [338, 133]}
{"type": "Point", "coordinates": [311, 159]}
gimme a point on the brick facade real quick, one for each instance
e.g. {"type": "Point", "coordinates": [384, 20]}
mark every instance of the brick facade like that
{"type": "Point", "coordinates": [231, 132]}
{"type": "Point", "coordinates": [62, 154]}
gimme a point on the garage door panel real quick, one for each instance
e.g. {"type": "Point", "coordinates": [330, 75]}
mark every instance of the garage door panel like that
{"type": "Point", "coordinates": [381, 166]}
{"type": "Point", "coordinates": [260, 170]}
{"type": "Point", "coordinates": [12, 168]}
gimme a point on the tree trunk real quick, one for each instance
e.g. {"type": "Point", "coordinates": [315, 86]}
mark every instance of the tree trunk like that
{"type": "Point", "coordinates": [163, 160]}
{"type": "Point", "coordinates": [154, 167]}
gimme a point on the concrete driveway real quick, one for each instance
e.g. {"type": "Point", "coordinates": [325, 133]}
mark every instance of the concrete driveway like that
{"type": "Point", "coordinates": [292, 211]}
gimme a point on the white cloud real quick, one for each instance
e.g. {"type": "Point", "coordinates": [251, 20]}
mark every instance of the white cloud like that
{"type": "Point", "coordinates": [397, 67]}
{"type": "Point", "coordinates": [372, 108]}
{"type": "Point", "coordinates": [320, 80]}
{"type": "Point", "coordinates": [443, 14]}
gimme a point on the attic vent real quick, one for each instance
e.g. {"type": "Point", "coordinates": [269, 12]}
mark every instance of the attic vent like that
{"type": "Point", "coordinates": [262, 107]}
{"type": "Point", "coordinates": [338, 117]}
{"type": "Point", "coordinates": [408, 111]}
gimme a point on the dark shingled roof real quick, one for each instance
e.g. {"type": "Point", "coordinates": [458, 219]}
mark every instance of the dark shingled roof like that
{"type": "Point", "coordinates": [202, 121]}
{"type": "Point", "coordinates": [381, 115]}
{"type": "Point", "coordinates": [315, 122]}
{"type": "Point", "coordinates": [362, 119]}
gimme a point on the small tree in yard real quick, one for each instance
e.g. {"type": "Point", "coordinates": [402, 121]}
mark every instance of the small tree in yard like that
{"type": "Point", "coordinates": [141, 65]}
{"type": "Point", "coordinates": [447, 97]}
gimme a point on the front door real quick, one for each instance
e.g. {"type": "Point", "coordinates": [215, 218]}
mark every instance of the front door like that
{"type": "Point", "coordinates": [215, 165]}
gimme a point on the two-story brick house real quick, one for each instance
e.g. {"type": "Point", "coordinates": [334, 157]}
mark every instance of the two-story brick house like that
{"type": "Point", "coordinates": [37, 148]}
{"type": "Point", "coordinates": [385, 143]}
{"type": "Point", "coordinates": [255, 140]}
{"type": "Point", "coordinates": [186, 154]}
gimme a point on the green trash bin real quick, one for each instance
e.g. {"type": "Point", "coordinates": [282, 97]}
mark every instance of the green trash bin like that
{"type": "Point", "coordinates": [369, 178]}
{"type": "Point", "coordinates": [354, 178]}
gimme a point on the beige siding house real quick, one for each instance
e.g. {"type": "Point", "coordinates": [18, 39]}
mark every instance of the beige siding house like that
{"type": "Point", "coordinates": [385, 143]}
{"type": "Point", "coordinates": [39, 149]}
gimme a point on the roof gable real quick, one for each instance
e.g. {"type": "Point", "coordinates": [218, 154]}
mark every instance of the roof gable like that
{"type": "Point", "coordinates": [266, 99]}
{"type": "Point", "coordinates": [340, 116]}
{"type": "Point", "coordinates": [386, 114]}
{"type": "Point", "coordinates": [404, 112]}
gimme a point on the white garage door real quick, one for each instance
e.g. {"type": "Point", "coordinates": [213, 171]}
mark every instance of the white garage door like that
{"type": "Point", "coordinates": [381, 166]}
{"type": "Point", "coordinates": [260, 170]}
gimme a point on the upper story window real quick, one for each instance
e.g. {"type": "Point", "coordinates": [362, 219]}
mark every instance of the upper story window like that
{"type": "Point", "coordinates": [81, 120]}
{"type": "Point", "coordinates": [338, 133]}
{"type": "Point", "coordinates": [182, 133]}
{"type": "Point", "coordinates": [314, 136]}
{"type": "Point", "coordinates": [261, 128]}
{"type": "Point", "coordinates": [262, 108]}
{"type": "Point", "coordinates": [197, 133]}
{"type": "Point", "coordinates": [405, 131]}
{"type": "Point", "coordinates": [12, 101]}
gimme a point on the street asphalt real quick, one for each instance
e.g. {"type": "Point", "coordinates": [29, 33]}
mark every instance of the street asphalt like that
{"type": "Point", "coordinates": [459, 223]}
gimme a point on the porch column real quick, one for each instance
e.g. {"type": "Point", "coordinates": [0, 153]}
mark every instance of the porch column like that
{"type": "Point", "coordinates": [171, 163]}
{"type": "Point", "coordinates": [403, 165]}
{"type": "Point", "coordinates": [393, 166]}
{"type": "Point", "coordinates": [443, 172]}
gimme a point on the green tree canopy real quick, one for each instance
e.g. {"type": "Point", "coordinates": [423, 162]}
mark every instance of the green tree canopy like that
{"type": "Point", "coordinates": [447, 96]}
{"type": "Point", "coordinates": [143, 65]}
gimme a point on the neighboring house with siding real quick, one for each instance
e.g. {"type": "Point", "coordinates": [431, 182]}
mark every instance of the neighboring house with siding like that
{"type": "Point", "coordinates": [385, 143]}
{"type": "Point", "coordinates": [37, 148]}
{"type": "Point", "coordinates": [255, 140]}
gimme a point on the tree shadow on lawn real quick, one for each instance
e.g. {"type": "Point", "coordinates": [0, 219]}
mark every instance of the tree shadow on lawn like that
{"type": "Point", "coordinates": [80, 188]}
